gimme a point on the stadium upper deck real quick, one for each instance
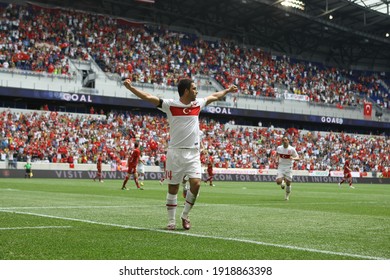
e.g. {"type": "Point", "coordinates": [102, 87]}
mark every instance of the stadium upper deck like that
{"type": "Point", "coordinates": [263, 78]}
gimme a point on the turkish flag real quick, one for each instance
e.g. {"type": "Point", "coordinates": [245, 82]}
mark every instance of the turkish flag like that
{"type": "Point", "coordinates": [367, 109]}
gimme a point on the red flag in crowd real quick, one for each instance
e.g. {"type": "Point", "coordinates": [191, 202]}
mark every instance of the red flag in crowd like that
{"type": "Point", "coordinates": [367, 109]}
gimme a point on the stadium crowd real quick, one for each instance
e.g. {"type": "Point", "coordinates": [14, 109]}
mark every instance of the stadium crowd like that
{"type": "Point", "coordinates": [78, 139]}
{"type": "Point", "coordinates": [41, 39]}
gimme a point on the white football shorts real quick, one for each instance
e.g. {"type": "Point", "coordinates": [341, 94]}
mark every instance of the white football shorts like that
{"type": "Point", "coordinates": [285, 172]}
{"type": "Point", "coordinates": [181, 162]}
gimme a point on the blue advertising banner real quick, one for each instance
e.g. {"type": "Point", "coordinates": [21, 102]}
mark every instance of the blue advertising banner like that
{"type": "Point", "coordinates": [73, 97]}
{"type": "Point", "coordinates": [294, 117]}
{"type": "Point", "coordinates": [117, 175]}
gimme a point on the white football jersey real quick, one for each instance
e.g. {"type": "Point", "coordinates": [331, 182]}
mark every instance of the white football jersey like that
{"type": "Point", "coordinates": [285, 155]}
{"type": "Point", "coordinates": [183, 122]}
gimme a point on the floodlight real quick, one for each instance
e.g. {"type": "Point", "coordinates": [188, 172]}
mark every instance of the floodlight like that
{"type": "Point", "coordinates": [294, 4]}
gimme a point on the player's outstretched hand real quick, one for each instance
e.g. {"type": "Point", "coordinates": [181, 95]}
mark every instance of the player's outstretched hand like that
{"type": "Point", "coordinates": [233, 88]}
{"type": "Point", "coordinates": [127, 83]}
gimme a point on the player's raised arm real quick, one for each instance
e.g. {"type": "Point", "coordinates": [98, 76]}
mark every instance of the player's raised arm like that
{"type": "Point", "coordinates": [220, 94]}
{"type": "Point", "coordinates": [141, 94]}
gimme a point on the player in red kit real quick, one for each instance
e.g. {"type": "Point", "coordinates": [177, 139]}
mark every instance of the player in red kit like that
{"type": "Point", "coordinates": [163, 161]}
{"type": "Point", "coordinates": [99, 164]}
{"type": "Point", "coordinates": [347, 175]}
{"type": "Point", "coordinates": [132, 162]}
{"type": "Point", "coordinates": [210, 172]}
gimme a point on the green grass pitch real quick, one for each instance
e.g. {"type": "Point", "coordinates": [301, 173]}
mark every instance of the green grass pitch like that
{"type": "Point", "coordinates": [53, 219]}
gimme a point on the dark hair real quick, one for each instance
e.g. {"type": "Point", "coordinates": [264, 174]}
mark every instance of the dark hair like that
{"type": "Point", "coordinates": [136, 144]}
{"type": "Point", "coordinates": [183, 85]}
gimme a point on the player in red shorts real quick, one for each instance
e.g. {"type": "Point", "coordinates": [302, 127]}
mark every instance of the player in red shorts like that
{"type": "Point", "coordinates": [99, 168]}
{"type": "Point", "coordinates": [210, 172]}
{"type": "Point", "coordinates": [347, 175]}
{"type": "Point", "coordinates": [132, 162]}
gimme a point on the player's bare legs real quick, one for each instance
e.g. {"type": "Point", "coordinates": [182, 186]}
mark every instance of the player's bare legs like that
{"type": "Point", "coordinates": [350, 183]}
{"type": "Point", "coordinates": [136, 181]}
{"type": "Point", "coordinates": [280, 182]}
{"type": "Point", "coordinates": [125, 182]}
{"type": "Point", "coordinates": [347, 179]}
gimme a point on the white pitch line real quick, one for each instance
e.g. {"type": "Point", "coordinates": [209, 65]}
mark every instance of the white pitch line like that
{"type": "Point", "coordinates": [38, 227]}
{"type": "Point", "coordinates": [65, 207]}
{"type": "Point", "coordinates": [203, 236]}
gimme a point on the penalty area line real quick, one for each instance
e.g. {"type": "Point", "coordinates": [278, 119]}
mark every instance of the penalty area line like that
{"type": "Point", "coordinates": [201, 236]}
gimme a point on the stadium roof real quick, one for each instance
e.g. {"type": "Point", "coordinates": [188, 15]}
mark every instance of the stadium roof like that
{"type": "Point", "coordinates": [355, 37]}
{"type": "Point", "coordinates": [379, 6]}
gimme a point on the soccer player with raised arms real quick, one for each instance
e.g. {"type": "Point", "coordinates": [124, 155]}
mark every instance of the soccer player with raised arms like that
{"type": "Point", "coordinates": [183, 155]}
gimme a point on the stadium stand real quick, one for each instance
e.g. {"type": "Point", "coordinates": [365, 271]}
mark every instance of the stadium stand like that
{"type": "Point", "coordinates": [51, 137]}
{"type": "Point", "coordinates": [255, 71]}
{"type": "Point", "coordinates": [67, 61]}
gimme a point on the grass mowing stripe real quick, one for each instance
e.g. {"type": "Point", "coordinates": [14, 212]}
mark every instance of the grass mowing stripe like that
{"type": "Point", "coordinates": [37, 227]}
{"type": "Point", "coordinates": [200, 236]}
